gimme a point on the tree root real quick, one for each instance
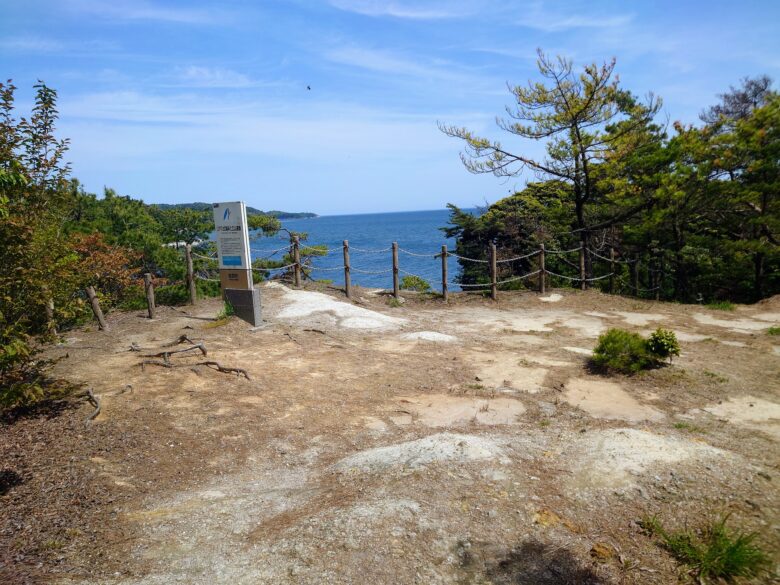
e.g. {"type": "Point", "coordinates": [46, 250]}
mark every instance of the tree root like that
{"type": "Point", "coordinates": [93, 399]}
{"type": "Point", "coordinates": [165, 355]}
{"type": "Point", "coordinates": [211, 364]}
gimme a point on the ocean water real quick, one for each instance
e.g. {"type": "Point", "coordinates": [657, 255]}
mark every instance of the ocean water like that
{"type": "Point", "coordinates": [370, 236]}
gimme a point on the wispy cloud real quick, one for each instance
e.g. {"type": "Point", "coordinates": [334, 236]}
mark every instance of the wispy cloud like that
{"type": "Point", "coordinates": [214, 77]}
{"type": "Point", "coordinates": [403, 66]}
{"type": "Point", "coordinates": [142, 10]}
{"type": "Point", "coordinates": [30, 45]}
{"type": "Point", "coordinates": [546, 18]}
{"type": "Point", "coordinates": [424, 10]}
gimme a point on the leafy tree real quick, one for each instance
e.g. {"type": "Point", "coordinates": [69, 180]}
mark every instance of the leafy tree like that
{"type": "Point", "coordinates": [585, 119]}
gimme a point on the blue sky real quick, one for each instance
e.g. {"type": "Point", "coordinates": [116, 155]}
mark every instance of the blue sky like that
{"type": "Point", "coordinates": [174, 101]}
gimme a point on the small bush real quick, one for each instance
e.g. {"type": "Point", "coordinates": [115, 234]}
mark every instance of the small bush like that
{"type": "Point", "coordinates": [712, 552]}
{"type": "Point", "coordinates": [774, 331]}
{"type": "Point", "coordinates": [226, 312]}
{"type": "Point", "coordinates": [664, 344]}
{"type": "Point", "coordinates": [410, 282]}
{"type": "Point", "coordinates": [721, 305]}
{"type": "Point", "coordinates": [623, 351]}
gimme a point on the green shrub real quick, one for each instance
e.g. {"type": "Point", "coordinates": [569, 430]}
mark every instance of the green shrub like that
{"type": "Point", "coordinates": [664, 344]}
{"type": "Point", "coordinates": [226, 312]}
{"type": "Point", "coordinates": [623, 351]}
{"type": "Point", "coordinates": [178, 294]}
{"type": "Point", "coordinates": [712, 552]}
{"type": "Point", "coordinates": [721, 305]}
{"type": "Point", "coordinates": [774, 331]}
{"type": "Point", "coordinates": [410, 282]}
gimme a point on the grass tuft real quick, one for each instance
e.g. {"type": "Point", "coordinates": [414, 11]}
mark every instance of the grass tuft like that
{"type": "Point", "coordinates": [773, 331]}
{"type": "Point", "coordinates": [712, 552]}
{"type": "Point", "coordinates": [721, 305]}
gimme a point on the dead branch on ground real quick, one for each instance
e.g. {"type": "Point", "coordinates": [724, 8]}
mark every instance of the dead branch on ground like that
{"type": "Point", "coordinates": [212, 364]}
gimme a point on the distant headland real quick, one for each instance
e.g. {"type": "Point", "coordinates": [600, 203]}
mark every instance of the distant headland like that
{"type": "Point", "coordinates": [200, 206]}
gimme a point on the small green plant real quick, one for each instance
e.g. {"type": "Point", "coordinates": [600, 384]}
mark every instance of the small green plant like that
{"type": "Point", "coordinates": [623, 351]}
{"type": "Point", "coordinates": [721, 305]}
{"type": "Point", "coordinates": [773, 331]}
{"type": "Point", "coordinates": [663, 343]}
{"type": "Point", "coordinates": [226, 312]}
{"type": "Point", "coordinates": [712, 552]}
{"type": "Point", "coordinates": [686, 426]}
{"type": "Point", "coordinates": [411, 282]}
{"type": "Point", "coordinates": [393, 302]}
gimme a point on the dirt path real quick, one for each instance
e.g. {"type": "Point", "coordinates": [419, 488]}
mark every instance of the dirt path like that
{"type": "Point", "coordinates": [466, 443]}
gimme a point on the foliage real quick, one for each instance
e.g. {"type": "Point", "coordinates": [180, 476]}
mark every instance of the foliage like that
{"type": "Point", "coordinates": [411, 282]}
{"type": "Point", "coordinates": [773, 331]}
{"type": "Point", "coordinates": [697, 212]}
{"type": "Point", "coordinates": [623, 351]}
{"type": "Point", "coordinates": [721, 305]}
{"type": "Point", "coordinates": [226, 312]}
{"type": "Point", "coordinates": [714, 551]}
{"type": "Point", "coordinates": [663, 343]}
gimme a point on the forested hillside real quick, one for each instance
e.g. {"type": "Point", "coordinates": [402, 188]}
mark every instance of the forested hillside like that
{"type": "Point", "coordinates": [692, 212]}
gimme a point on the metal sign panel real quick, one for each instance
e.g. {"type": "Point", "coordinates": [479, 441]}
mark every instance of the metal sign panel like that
{"type": "Point", "coordinates": [232, 236]}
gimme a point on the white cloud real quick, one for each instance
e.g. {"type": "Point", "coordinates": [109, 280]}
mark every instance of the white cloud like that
{"type": "Point", "coordinates": [547, 17]}
{"type": "Point", "coordinates": [143, 10]}
{"type": "Point", "coordinates": [216, 77]}
{"type": "Point", "coordinates": [31, 45]}
{"type": "Point", "coordinates": [425, 10]}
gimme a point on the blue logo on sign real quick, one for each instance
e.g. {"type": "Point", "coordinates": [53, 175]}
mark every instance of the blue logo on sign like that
{"type": "Point", "coordinates": [226, 215]}
{"type": "Point", "coordinates": [231, 260]}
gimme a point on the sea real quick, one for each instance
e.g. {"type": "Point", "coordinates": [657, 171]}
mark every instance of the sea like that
{"type": "Point", "coordinates": [418, 234]}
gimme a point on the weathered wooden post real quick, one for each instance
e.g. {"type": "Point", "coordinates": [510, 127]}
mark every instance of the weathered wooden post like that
{"type": "Point", "coordinates": [297, 261]}
{"type": "Point", "coordinates": [636, 274]}
{"type": "Point", "coordinates": [396, 289]}
{"type": "Point", "coordinates": [93, 300]}
{"type": "Point", "coordinates": [190, 274]}
{"type": "Point", "coordinates": [149, 289]}
{"type": "Point", "coordinates": [542, 270]}
{"type": "Point", "coordinates": [611, 270]}
{"type": "Point", "coordinates": [51, 325]}
{"type": "Point", "coordinates": [659, 278]}
{"type": "Point", "coordinates": [444, 292]}
{"type": "Point", "coordinates": [583, 281]}
{"type": "Point", "coordinates": [347, 276]}
{"type": "Point", "coordinates": [493, 273]}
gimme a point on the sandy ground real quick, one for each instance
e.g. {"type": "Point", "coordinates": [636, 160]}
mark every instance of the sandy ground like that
{"type": "Point", "coordinates": [428, 443]}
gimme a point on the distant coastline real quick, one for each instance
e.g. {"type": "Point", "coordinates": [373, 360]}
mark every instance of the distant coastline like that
{"type": "Point", "coordinates": [200, 206]}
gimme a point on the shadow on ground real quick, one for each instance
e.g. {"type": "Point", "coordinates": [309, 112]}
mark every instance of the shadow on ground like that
{"type": "Point", "coordinates": [530, 563]}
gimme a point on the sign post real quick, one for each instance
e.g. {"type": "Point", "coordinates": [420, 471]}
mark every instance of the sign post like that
{"type": "Point", "coordinates": [235, 261]}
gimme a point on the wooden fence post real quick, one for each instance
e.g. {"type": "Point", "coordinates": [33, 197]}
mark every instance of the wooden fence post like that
{"type": "Point", "coordinates": [297, 260]}
{"type": "Point", "coordinates": [542, 273]}
{"type": "Point", "coordinates": [659, 277]}
{"type": "Point", "coordinates": [636, 274]}
{"type": "Point", "coordinates": [493, 273]}
{"type": "Point", "coordinates": [396, 292]}
{"type": "Point", "coordinates": [444, 292]}
{"type": "Point", "coordinates": [149, 289]}
{"type": "Point", "coordinates": [93, 300]}
{"type": "Point", "coordinates": [583, 281]}
{"type": "Point", "coordinates": [611, 270]}
{"type": "Point", "coordinates": [51, 325]}
{"type": "Point", "coordinates": [190, 274]}
{"type": "Point", "coordinates": [347, 276]}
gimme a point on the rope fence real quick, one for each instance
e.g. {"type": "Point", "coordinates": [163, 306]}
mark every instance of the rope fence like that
{"type": "Point", "coordinates": [535, 264]}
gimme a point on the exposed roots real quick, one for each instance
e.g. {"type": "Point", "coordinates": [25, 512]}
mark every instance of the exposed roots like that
{"type": "Point", "coordinates": [211, 364]}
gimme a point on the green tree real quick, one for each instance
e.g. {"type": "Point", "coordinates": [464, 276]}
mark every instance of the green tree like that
{"type": "Point", "coordinates": [584, 119]}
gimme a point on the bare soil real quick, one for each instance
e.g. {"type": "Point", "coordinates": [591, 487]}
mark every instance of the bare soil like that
{"type": "Point", "coordinates": [467, 442]}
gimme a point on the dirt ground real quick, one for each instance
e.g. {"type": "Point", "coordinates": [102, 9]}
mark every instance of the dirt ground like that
{"type": "Point", "coordinates": [466, 442]}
